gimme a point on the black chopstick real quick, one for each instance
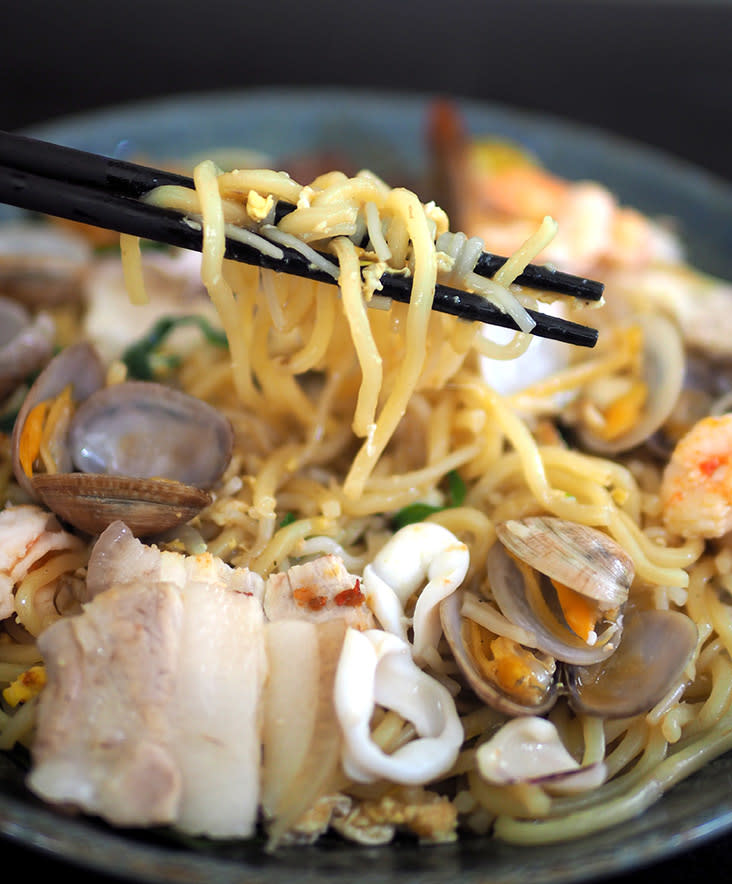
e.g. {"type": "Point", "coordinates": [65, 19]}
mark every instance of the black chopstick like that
{"type": "Point", "coordinates": [105, 192]}
{"type": "Point", "coordinates": [134, 180]}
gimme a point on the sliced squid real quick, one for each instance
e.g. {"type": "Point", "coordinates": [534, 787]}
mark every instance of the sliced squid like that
{"type": "Point", "coordinates": [376, 668]}
{"type": "Point", "coordinates": [416, 553]}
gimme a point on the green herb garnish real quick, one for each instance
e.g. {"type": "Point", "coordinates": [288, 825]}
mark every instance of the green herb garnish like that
{"type": "Point", "coordinates": [418, 512]}
{"type": "Point", "coordinates": [143, 358]}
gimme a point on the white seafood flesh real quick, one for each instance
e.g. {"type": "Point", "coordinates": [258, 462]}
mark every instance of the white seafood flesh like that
{"type": "Point", "coordinates": [376, 667]}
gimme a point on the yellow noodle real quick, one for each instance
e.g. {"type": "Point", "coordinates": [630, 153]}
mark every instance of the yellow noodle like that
{"type": "Point", "coordinates": [132, 268]}
{"type": "Point", "coordinates": [650, 788]}
{"type": "Point", "coordinates": [10, 671]}
{"type": "Point", "coordinates": [284, 542]}
{"type": "Point", "coordinates": [423, 284]}
{"type": "Point", "coordinates": [212, 274]}
{"type": "Point", "coordinates": [720, 614]}
{"type": "Point", "coordinates": [594, 736]}
{"type": "Point", "coordinates": [366, 349]}
{"type": "Point", "coordinates": [44, 575]}
{"type": "Point", "coordinates": [718, 701]}
{"type": "Point", "coordinates": [22, 654]}
{"type": "Point", "coordinates": [314, 349]}
{"type": "Point", "coordinates": [19, 727]}
{"type": "Point", "coordinates": [518, 261]}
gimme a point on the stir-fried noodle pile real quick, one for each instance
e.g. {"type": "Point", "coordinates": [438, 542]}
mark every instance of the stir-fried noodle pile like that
{"type": "Point", "coordinates": [445, 471]}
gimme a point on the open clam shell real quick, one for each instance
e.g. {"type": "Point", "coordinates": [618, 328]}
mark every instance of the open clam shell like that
{"type": "Point", "coordinates": [148, 430]}
{"type": "Point", "coordinates": [139, 452]}
{"type": "Point", "coordinates": [26, 343]}
{"type": "Point", "coordinates": [655, 649]}
{"type": "Point", "coordinates": [42, 265]}
{"type": "Point", "coordinates": [578, 556]}
{"type": "Point", "coordinates": [532, 609]}
{"type": "Point", "coordinates": [453, 625]}
{"type": "Point", "coordinates": [78, 366]}
{"type": "Point", "coordinates": [663, 373]}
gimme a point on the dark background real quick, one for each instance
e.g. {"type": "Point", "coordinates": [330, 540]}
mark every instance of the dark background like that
{"type": "Point", "coordinates": [658, 72]}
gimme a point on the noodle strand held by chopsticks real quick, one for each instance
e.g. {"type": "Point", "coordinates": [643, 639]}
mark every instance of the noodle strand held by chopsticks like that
{"type": "Point", "coordinates": [366, 350]}
{"type": "Point", "coordinates": [420, 305]}
{"type": "Point", "coordinates": [132, 268]}
{"type": "Point", "coordinates": [212, 259]}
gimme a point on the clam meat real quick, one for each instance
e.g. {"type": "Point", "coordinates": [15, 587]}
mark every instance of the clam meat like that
{"type": "Point", "coordinates": [505, 674]}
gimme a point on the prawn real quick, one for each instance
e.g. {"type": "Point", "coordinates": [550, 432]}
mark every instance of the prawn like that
{"type": "Point", "coordinates": [496, 190]}
{"type": "Point", "coordinates": [696, 487]}
{"type": "Point", "coordinates": [28, 535]}
{"type": "Point", "coordinates": [420, 552]}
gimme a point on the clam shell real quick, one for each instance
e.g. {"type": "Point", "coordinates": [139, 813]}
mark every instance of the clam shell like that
{"type": "Point", "coordinates": [26, 343]}
{"type": "Point", "coordinates": [582, 558]}
{"type": "Point", "coordinates": [78, 365]}
{"type": "Point", "coordinates": [655, 649]}
{"type": "Point", "coordinates": [91, 501]}
{"type": "Point", "coordinates": [486, 690]}
{"type": "Point", "coordinates": [148, 430]}
{"type": "Point", "coordinates": [664, 362]}
{"type": "Point", "coordinates": [155, 449]}
{"type": "Point", "coordinates": [551, 635]}
{"type": "Point", "coordinates": [42, 265]}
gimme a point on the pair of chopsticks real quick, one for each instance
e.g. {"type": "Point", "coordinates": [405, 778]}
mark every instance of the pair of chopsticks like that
{"type": "Point", "coordinates": [43, 177]}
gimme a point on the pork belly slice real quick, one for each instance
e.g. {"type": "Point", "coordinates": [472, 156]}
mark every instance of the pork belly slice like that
{"type": "Point", "coordinates": [151, 713]}
{"type": "Point", "coordinates": [118, 557]}
{"type": "Point", "coordinates": [216, 710]}
{"type": "Point", "coordinates": [103, 732]}
{"type": "Point", "coordinates": [318, 590]}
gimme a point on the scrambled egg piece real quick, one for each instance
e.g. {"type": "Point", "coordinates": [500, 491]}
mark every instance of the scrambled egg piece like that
{"type": "Point", "coordinates": [26, 686]}
{"type": "Point", "coordinates": [432, 817]}
{"type": "Point", "coordinates": [258, 206]}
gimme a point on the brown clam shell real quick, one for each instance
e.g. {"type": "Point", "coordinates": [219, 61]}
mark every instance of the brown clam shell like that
{"type": "Point", "coordinates": [92, 501]}
{"type": "Point", "coordinates": [656, 647]}
{"type": "Point", "coordinates": [78, 365]}
{"type": "Point", "coordinates": [586, 559]}
{"type": "Point", "coordinates": [483, 688]}
{"type": "Point", "coordinates": [26, 344]}
{"type": "Point", "coordinates": [664, 359]}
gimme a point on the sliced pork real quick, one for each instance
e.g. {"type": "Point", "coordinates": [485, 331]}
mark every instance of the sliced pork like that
{"type": "Point", "coordinates": [318, 590]}
{"type": "Point", "coordinates": [103, 739]}
{"type": "Point", "coordinates": [118, 557]}
{"type": "Point", "coordinates": [215, 715]}
{"type": "Point", "coordinates": [165, 669]}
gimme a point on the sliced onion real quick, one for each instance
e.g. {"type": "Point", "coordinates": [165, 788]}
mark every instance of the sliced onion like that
{"type": "Point", "coordinates": [289, 710]}
{"type": "Point", "coordinates": [301, 733]}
